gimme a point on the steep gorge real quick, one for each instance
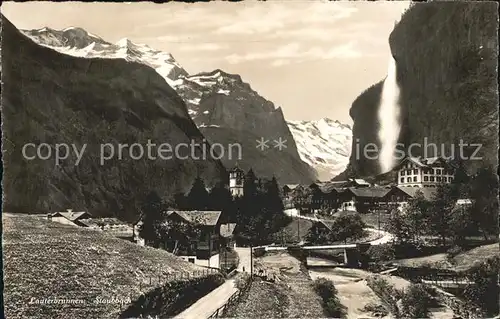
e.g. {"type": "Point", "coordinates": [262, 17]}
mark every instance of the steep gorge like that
{"type": "Point", "coordinates": [446, 61]}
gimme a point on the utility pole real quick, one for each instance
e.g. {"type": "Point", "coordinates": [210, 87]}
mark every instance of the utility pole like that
{"type": "Point", "coordinates": [298, 230]}
{"type": "Point", "coordinates": [251, 260]}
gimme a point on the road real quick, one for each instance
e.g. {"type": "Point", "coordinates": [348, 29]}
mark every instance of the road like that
{"type": "Point", "coordinates": [244, 255]}
{"type": "Point", "coordinates": [207, 305]}
{"type": "Point", "coordinates": [386, 237]}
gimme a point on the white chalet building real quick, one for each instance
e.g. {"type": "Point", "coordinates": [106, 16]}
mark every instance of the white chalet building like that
{"type": "Point", "coordinates": [424, 172]}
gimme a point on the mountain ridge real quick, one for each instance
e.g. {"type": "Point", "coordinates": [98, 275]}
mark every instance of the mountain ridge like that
{"type": "Point", "coordinates": [90, 101]}
{"type": "Point", "coordinates": [215, 99]}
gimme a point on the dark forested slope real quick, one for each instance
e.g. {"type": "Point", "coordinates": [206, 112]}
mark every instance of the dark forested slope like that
{"type": "Point", "coordinates": [48, 97]}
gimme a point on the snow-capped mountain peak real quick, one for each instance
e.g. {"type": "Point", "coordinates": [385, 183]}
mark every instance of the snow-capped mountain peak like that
{"type": "Point", "coordinates": [216, 98]}
{"type": "Point", "coordinates": [325, 144]}
{"type": "Point", "coordinates": [76, 41]}
{"type": "Point", "coordinates": [124, 42]}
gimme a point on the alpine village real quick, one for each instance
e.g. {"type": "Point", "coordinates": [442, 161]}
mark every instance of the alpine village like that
{"type": "Point", "coordinates": [254, 237]}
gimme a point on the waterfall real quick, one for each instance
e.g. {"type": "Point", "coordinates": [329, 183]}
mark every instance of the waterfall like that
{"type": "Point", "coordinates": [388, 117]}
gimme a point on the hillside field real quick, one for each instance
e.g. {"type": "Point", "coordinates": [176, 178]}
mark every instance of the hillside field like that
{"type": "Point", "coordinates": [89, 274]}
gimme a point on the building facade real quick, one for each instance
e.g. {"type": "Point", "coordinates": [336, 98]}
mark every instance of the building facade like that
{"type": "Point", "coordinates": [236, 180]}
{"type": "Point", "coordinates": [429, 172]}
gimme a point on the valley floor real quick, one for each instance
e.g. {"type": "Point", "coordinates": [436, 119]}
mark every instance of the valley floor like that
{"type": "Point", "coordinates": [290, 296]}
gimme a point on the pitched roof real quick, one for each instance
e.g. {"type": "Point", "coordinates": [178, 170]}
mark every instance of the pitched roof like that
{"type": "Point", "coordinates": [203, 217]}
{"type": "Point", "coordinates": [424, 162]}
{"type": "Point", "coordinates": [226, 230]}
{"type": "Point", "coordinates": [72, 216]}
{"type": "Point", "coordinates": [345, 213]}
{"type": "Point", "coordinates": [428, 192]}
{"type": "Point", "coordinates": [360, 181]}
{"type": "Point", "coordinates": [464, 201]}
{"type": "Point", "coordinates": [291, 186]}
{"type": "Point", "coordinates": [328, 187]}
{"type": "Point", "coordinates": [327, 223]}
{"type": "Point", "coordinates": [370, 191]}
{"type": "Point", "coordinates": [111, 221]}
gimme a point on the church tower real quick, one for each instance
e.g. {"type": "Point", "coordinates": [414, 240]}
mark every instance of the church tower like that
{"type": "Point", "coordinates": [236, 177]}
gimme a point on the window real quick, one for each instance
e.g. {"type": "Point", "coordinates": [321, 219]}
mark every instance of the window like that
{"type": "Point", "coordinates": [415, 178]}
{"type": "Point", "coordinates": [415, 171]}
{"type": "Point", "coordinates": [408, 179]}
{"type": "Point", "coordinates": [402, 179]}
{"type": "Point", "coordinates": [408, 172]}
{"type": "Point", "coordinates": [402, 172]}
{"type": "Point", "coordinates": [191, 260]}
{"type": "Point", "coordinates": [426, 178]}
{"type": "Point", "coordinates": [432, 178]}
{"type": "Point", "coordinates": [438, 178]}
{"type": "Point", "coordinates": [439, 172]}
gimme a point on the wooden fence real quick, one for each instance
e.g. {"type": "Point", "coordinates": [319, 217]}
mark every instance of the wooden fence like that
{"type": "Point", "coordinates": [234, 299]}
{"type": "Point", "coordinates": [161, 278]}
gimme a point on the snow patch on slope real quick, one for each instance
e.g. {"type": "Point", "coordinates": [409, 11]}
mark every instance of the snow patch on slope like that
{"type": "Point", "coordinates": [324, 144]}
{"type": "Point", "coordinates": [78, 42]}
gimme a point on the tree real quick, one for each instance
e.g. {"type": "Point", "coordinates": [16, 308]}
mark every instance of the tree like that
{"type": "Point", "coordinates": [347, 227]}
{"type": "Point", "coordinates": [181, 232]}
{"type": "Point", "coordinates": [198, 198]}
{"type": "Point", "coordinates": [318, 234]}
{"type": "Point", "coordinates": [416, 214]}
{"type": "Point", "coordinates": [221, 199]}
{"type": "Point", "coordinates": [180, 201]}
{"type": "Point", "coordinates": [400, 226]}
{"type": "Point", "coordinates": [484, 290]}
{"type": "Point", "coordinates": [272, 205]}
{"type": "Point", "coordinates": [462, 224]}
{"type": "Point", "coordinates": [441, 208]}
{"type": "Point", "coordinates": [484, 195]}
{"type": "Point", "coordinates": [152, 218]}
{"type": "Point", "coordinates": [250, 185]}
{"type": "Point", "coordinates": [461, 182]}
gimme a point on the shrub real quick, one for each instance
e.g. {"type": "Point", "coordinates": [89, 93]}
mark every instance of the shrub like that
{"type": "Point", "coordinates": [384, 252]}
{"type": "Point", "coordinates": [485, 290]}
{"type": "Point", "coordinates": [328, 293]}
{"type": "Point", "coordinates": [386, 292]}
{"type": "Point", "coordinates": [325, 288]}
{"type": "Point", "coordinates": [452, 252]}
{"type": "Point", "coordinates": [375, 310]}
{"type": "Point", "coordinates": [259, 252]}
{"type": "Point", "coordinates": [415, 302]}
{"type": "Point", "coordinates": [241, 282]}
{"type": "Point", "coordinates": [334, 308]}
{"type": "Point", "coordinates": [172, 298]}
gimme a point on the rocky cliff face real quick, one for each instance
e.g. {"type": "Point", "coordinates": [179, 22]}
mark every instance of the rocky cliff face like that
{"type": "Point", "coordinates": [324, 144]}
{"type": "Point", "coordinates": [49, 97]}
{"type": "Point", "coordinates": [228, 111]}
{"type": "Point", "coordinates": [225, 108]}
{"type": "Point", "coordinates": [446, 64]}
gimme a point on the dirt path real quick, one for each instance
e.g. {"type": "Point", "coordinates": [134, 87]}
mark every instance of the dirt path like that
{"type": "Point", "coordinates": [244, 255]}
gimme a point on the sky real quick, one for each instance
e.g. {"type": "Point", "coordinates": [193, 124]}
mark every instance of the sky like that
{"type": "Point", "coordinates": [312, 58]}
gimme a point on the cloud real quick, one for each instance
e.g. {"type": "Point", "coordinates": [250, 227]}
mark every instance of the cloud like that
{"type": "Point", "coordinates": [293, 53]}
{"type": "Point", "coordinates": [274, 17]}
{"type": "Point", "coordinates": [202, 47]}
